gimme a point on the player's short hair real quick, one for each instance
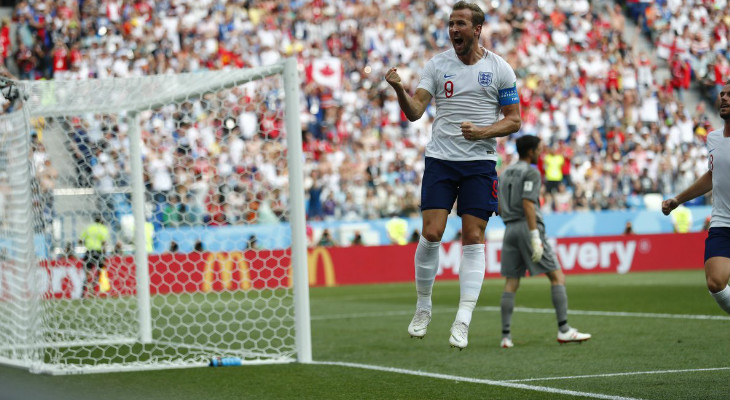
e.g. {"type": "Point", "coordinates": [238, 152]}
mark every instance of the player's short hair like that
{"type": "Point", "coordinates": [477, 15]}
{"type": "Point", "coordinates": [527, 143]}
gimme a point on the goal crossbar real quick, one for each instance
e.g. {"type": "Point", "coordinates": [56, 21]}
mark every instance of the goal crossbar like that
{"type": "Point", "coordinates": [58, 98]}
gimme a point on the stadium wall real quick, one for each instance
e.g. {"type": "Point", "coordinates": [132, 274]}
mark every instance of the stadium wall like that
{"type": "Point", "coordinates": [331, 266]}
{"type": "Point", "coordinates": [575, 224]}
{"type": "Point", "coordinates": [277, 236]}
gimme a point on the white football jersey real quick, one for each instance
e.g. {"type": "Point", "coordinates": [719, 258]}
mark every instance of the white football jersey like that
{"type": "Point", "coordinates": [473, 93]}
{"type": "Point", "coordinates": [718, 147]}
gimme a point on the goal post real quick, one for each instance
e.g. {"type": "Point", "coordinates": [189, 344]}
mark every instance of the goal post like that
{"type": "Point", "coordinates": [183, 170]}
{"type": "Point", "coordinates": [19, 303]}
{"type": "Point", "coordinates": [298, 219]}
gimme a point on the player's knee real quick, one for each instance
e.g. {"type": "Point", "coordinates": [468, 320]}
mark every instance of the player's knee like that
{"type": "Point", "coordinates": [556, 277]}
{"type": "Point", "coordinates": [557, 282]}
{"type": "Point", "coordinates": [433, 235]}
{"type": "Point", "coordinates": [473, 237]}
{"type": "Point", "coordinates": [715, 285]}
{"type": "Point", "coordinates": [512, 285]}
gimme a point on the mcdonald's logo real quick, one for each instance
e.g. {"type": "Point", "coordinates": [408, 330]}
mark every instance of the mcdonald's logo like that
{"type": "Point", "coordinates": [314, 256]}
{"type": "Point", "coordinates": [225, 263]}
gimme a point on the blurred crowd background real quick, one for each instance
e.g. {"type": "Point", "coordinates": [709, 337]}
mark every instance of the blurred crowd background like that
{"type": "Point", "coordinates": [617, 133]}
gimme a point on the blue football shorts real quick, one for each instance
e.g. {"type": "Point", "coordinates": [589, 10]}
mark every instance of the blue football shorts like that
{"type": "Point", "coordinates": [717, 243]}
{"type": "Point", "coordinates": [474, 183]}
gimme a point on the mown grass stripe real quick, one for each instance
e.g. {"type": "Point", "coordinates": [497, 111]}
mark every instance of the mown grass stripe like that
{"type": "Point", "coordinates": [457, 378]}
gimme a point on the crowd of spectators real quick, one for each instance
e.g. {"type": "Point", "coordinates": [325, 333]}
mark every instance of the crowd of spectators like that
{"type": "Point", "coordinates": [613, 132]}
{"type": "Point", "coordinates": [691, 37]}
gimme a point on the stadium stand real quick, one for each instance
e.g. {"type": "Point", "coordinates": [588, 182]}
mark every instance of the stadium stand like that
{"type": "Point", "coordinates": [614, 131]}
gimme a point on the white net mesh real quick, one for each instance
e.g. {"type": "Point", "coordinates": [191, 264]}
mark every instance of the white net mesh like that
{"type": "Point", "coordinates": [20, 212]}
{"type": "Point", "coordinates": [213, 150]}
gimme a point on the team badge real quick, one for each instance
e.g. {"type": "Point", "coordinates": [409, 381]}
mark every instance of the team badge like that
{"type": "Point", "coordinates": [485, 78]}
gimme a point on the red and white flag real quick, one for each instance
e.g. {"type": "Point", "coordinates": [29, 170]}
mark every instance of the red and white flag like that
{"type": "Point", "coordinates": [327, 71]}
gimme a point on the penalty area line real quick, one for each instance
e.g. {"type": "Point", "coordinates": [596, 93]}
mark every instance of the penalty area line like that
{"type": "Point", "coordinates": [512, 385]}
{"type": "Point", "coordinates": [531, 311]}
{"type": "Point", "coordinates": [667, 371]}
{"type": "Point", "coordinates": [615, 313]}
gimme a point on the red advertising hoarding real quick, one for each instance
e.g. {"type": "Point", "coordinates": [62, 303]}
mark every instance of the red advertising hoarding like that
{"type": "Point", "coordinates": [258, 269]}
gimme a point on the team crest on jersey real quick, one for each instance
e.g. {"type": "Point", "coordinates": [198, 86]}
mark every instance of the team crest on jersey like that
{"type": "Point", "coordinates": [485, 78]}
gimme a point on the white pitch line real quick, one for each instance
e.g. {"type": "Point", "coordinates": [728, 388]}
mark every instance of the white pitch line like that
{"type": "Point", "coordinates": [533, 311]}
{"type": "Point", "coordinates": [544, 389]}
{"type": "Point", "coordinates": [668, 371]}
{"type": "Point", "coordinates": [616, 313]}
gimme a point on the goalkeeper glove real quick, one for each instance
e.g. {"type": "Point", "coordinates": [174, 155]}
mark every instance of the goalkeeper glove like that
{"type": "Point", "coordinates": [537, 248]}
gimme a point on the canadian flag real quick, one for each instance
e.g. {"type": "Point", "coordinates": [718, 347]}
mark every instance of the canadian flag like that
{"type": "Point", "coordinates": [327, 71]}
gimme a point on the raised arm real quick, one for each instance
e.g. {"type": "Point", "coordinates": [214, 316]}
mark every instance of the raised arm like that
{"type": "Point", "coordinates": [412, 106]}
{"type": "Point", "coordinates": [510, 124]}
{"type": "Point", "coordinates": [699, 188]}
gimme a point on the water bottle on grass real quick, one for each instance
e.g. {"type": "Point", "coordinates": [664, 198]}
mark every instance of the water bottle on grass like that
{"type": "Point", "coordinates": [225, 361]}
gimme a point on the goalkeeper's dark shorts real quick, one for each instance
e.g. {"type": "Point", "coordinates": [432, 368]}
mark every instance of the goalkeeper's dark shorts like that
{"type": "Point", "coordinates": [94, 258]}
{"type": "Point", "coordinates": [717, 243]}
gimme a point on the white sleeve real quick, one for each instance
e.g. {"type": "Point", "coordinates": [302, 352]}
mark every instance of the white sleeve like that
{"type": "Point", "coordinates": [428, 78]}
{"type": "Point", "coordinates": [506, 84]}
{"type": "Point", "coordinates": [710, 157]}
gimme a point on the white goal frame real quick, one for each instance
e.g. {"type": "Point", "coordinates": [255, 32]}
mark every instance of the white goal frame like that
{"type": "Point", "coordinates": [26, 351]}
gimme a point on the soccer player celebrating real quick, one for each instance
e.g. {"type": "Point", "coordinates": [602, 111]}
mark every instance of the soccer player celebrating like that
{"type": "Point", "coordinates": [524, 246]}
{"type": "Point", "coordinates": [717, 179]}
{"type": "Point", "coordinates": [471, 86]}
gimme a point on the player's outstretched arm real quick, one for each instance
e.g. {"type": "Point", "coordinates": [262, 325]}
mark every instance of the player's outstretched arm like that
{"type": "Point", "coordinates": [413, 107]}
{"type": "Point", "coordinates": [699, 188]}
{"type": "Point", "coordinates": [510, 124]}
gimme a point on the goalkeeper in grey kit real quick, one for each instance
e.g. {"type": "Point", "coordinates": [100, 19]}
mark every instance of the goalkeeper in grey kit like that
{"type": "Point", "coordinates": [524, 246]}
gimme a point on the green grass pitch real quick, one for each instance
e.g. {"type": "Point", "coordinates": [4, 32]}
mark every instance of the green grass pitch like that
{"type": "Point", "coordinates": [647, 344]}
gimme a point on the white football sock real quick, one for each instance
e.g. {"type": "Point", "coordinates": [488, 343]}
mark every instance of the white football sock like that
{"type": "Point", "coordinates": [427, 262]}
{"type": "Point", "coordinates": [723, 298]}
{"type": "Point", "coordinates": [471, 276]}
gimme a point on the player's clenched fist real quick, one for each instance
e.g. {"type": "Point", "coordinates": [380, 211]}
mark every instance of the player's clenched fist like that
{"type": "Point", "coordinates": [668, 205]}
{"type": "Point", "coordinates": [393, 78]}
{"type": "Point", "coordinates": [468, 130]}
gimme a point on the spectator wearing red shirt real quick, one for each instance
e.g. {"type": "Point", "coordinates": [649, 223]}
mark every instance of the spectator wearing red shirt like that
{"type": "Point", "coordinates": [74, 56]}
{"type": "Point", "coordinates": [60, 60]}
{"type": "Point", "coordinates": [65, 12]}
{"type": "Point", "coordinates": [143, 8]}
{"type": "Point", "coordinates": [612, 81]}
{"type": "Point", "coordinates": [681, 74]}
{"type": "Point", "coordinates": [616, 135]}
{"type": "Point", "coordinates": [722, 73]}
{"type": "Point", "coordinates": [567, 153]}
{"type": "Point", "coordinates": [270, 126]}
{"type": "Point", "coordinates": [5, 40]}
{"type": "Point", "coordinates": [216, 210]}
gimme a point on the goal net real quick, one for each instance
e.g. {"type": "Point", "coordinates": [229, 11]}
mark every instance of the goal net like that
{"type": "Point", "coordinates": [153, 222]}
